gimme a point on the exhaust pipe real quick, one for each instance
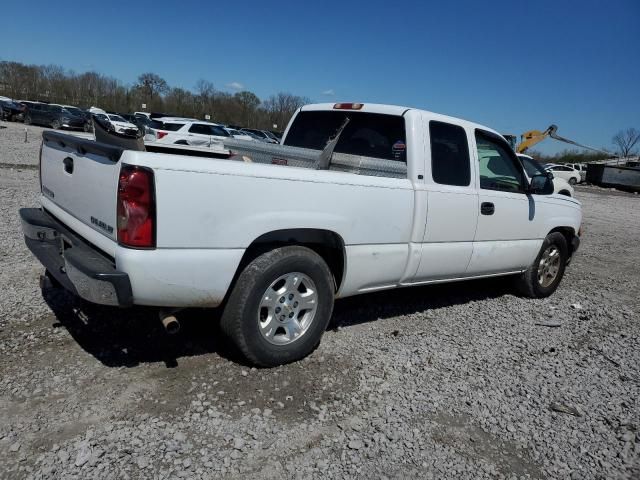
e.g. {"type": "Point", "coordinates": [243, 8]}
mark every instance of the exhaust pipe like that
{"type": "Point", "coordinates": [169, 321]}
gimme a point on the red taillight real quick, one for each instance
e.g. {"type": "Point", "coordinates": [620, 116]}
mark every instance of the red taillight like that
{"type": "Point", "coordinates": [159, 135]}
{"type": "Point", "coordinates": [348, 106]}
{"type": "Point", "coordinates": [136, 207]}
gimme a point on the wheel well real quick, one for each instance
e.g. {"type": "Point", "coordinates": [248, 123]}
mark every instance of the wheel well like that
{"type": "Point", "coordinates": [565, 192]}
{"type": "Point", "coordinates": [329, 245]}
{"type": "Point", "coordinates": [568, 234]}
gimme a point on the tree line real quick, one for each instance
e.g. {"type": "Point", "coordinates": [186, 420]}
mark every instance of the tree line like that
{"type": "Point", "coordinates": [54, 84]}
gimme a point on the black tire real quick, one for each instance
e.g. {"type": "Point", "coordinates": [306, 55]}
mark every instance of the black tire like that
{"type": "Point", "coordinates": [27, 120]}
{"type": "Point", "coordinates": [241, 312]}
{"type": "Point", "coordinates": [572, 181]}
{"type": "Point", "coordinates": [528, 283]}
{"type": "Point", "coordinates": [55, 124]}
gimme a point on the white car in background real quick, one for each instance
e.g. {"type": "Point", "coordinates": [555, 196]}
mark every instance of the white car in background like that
{"type": "Point", "coordinates": [570, 174]}
{"type": "Point", "coordinates": [532, 167]}
{"type": "Point", "coordinates": [263, 135]}
{"type": "Point", "coordinates": [581, 168]}
{"type": "Point", "coordinates": [238, 134]}
{"type": "Point", "coordinates": [185, 131]}
{"type": "Point", "coordinates": [119, 124]}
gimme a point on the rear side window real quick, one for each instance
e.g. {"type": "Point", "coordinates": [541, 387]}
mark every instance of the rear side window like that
{"type": "Point", "coordinates": [219, 131]}
{"type": "Point", "coordinates": [172, 127]}
{"type": "Point", "coordinates": [449, 154]}
{"type": "Point", "coordinates": [367, 134]}
{"type": "Point", "coordinates": [200, 129]}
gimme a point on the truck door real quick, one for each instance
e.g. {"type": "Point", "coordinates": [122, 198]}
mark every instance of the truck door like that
{"type": "Point", "coordinates": [508, 227]}
{"type": "Point", "coordinates": [452, 203]}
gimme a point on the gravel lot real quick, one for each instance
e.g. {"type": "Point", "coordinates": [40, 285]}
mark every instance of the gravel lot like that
{"type": "Point", "coordinates": [452, 381]}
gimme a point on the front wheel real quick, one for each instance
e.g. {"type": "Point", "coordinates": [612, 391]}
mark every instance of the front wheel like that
{"type": "Point", "coordinates": [572, 181]}
{"type": "Point", "coordinates": [542, 278]}
{"type": "Point", "coordinates": [27, 120]}
{"type": "Point", "coordinates": [280, 306]}
{"type": "Point", "coordinates": [55, 124]}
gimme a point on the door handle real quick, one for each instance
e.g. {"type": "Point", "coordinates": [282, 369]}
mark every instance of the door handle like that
{"type": "Point", "coordinates": [487, 208]}
{"type": "Point", "coordinates": [68, 165]}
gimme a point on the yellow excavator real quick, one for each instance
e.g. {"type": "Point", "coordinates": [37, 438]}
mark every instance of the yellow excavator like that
{"type": "Point", "coordinates": [532, 137]}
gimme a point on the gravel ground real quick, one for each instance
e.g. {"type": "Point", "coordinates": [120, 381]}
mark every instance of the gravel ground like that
{"type": "Point", "coordinates": [451, 381]}
{"type": "Point", "coordinates": [14, 151]}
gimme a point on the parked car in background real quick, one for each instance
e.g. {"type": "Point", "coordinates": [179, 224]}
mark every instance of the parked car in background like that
{"type": "Point", "coordinates": [532, 167]}
{"type": "Point", "coordinates": [181, 131]}
{"type": "Point", "coordinates": [141, 122]}
{"type": "Point", "coordinates": [581, 168]}
{"type": "Point", "coordinates": [11, 110]}
{"type": "Point", "coordinates": [54, 116]}
{"type": "Point", "coordinates": [263, 134]}
{"type": "Point", "coordinates": [570, 174]}
{"type": "Point", "coordinates": [119, 124]}
{"type": "Point", "coordinates": [239, 134]}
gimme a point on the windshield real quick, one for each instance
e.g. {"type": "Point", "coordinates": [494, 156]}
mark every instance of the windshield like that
{"type": "Point", "coordinates": [117, 118]}
{"type": "Point", "coordinates": [531, 166]}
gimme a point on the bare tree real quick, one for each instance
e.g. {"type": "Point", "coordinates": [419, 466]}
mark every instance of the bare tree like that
{"type": "Point", "coordinates": [626, 141]}
{"type": "Point", "coordinates": [248, 102]}
{"type": "Point", "coordinates": [152, 85]}
{"type": "Point", "coordinates": [281, 107]}
{"type": "Point", "coordinates": [53, 83]}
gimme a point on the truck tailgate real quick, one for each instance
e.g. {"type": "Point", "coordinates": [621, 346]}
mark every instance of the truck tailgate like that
{"type": "Point", "coordinates": [81, 177]}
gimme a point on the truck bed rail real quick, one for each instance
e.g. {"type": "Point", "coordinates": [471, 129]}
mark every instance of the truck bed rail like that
{"type": "Point", "coordinates": [254, 152]}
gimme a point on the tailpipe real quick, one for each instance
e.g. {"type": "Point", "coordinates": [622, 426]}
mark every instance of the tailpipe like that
{"type": "Point", "coordinates": [169, 322]}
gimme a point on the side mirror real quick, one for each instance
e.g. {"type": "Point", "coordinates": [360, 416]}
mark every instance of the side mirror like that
{"type": "Point", "coordinates": [541, 184]}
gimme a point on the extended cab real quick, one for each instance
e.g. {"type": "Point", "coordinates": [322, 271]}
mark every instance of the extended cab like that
{"type": "Point", "coordinates": [398, 197]}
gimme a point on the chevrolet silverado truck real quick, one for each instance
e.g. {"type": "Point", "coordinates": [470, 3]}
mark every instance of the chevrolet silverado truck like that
{"type": "Point", "coordinates": [397, 197]}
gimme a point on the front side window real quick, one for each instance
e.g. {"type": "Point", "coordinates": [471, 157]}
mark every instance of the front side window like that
{"type": "Point", "coordinates": [449, 154]}
{"type": "Point", "coordinates": [531, 166]}
{"type": "Point", "coordinates": [499, 169]}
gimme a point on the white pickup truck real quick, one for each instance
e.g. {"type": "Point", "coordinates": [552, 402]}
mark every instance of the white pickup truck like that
{"type": "Point", "coordinates": [406, 197]}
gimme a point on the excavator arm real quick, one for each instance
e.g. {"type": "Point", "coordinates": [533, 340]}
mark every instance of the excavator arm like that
{"type": "Point", "coordinates": [530, 138]}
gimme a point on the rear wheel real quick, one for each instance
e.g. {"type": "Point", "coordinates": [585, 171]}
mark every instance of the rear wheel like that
{"type": "Point", "coordinates": [572, 181]}
{"type": "Point", "coordinates": [542, 278]}
{"type": "Point", "coordinates": [280, 306]}
{"type": "Point", "coordinates": [27, 120]}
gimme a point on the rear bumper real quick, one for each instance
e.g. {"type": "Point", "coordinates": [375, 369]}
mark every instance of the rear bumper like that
{"type": "Point", "coordinates": [75, 264]}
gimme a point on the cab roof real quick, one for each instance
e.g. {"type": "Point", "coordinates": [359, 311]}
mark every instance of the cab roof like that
{"type": "Point", "coordinates": [397, 110]}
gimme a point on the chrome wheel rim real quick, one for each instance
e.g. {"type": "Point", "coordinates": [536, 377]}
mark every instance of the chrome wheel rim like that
{"type": "Point", "coordinates": [549, 266]}
{"type": "Point", "coordinates": [287, 308]}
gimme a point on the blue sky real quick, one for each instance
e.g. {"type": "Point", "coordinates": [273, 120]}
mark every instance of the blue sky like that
{"type": "Point", "coordinates": [511, 65]}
